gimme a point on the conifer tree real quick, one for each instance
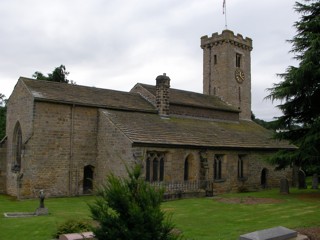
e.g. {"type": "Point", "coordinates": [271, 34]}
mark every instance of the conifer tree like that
{"type": "Point", "coordinates": [299, 92]}
{"type": "Point", "coordinates": [130, 209]}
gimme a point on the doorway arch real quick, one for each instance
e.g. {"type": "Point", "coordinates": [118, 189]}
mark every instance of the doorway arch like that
{"type": "Point", "coordinates": [88, 179]}
{"type": "Point", "coordinates": [189, 168]}
{"type": "Point", "coordinates": [264, 178]}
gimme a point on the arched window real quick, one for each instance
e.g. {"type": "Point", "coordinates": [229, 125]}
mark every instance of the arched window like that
{"type": "Point", "coordinates": [186, 169]}
{"type": "Point", "coordinates": [161, 177]}
{"type": "Point", "coordinates": [148, 170]}
{"type": "Point", "coordinates": [240, 166]}
{"type": "Point", "coordinates": [155, 170]}
{"type": "Point", "coordinates": [17, 147]}
{"type": "Point", "coordinates": [190, 169]}
{"type": "Point", "coordinates": [88, 179]}
{"type": "Point", "coordinates": [217, 167]}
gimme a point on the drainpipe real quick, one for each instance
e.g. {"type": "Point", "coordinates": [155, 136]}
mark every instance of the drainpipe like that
{"type": "Point", "coordinates": [71, 150]}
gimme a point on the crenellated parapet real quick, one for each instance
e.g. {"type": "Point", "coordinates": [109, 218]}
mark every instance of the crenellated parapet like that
{"type": "Point", "coordinates": [226, 36]}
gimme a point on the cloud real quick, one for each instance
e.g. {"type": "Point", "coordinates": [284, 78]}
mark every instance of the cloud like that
{"type": "Point", "coordinates": [115, 44]}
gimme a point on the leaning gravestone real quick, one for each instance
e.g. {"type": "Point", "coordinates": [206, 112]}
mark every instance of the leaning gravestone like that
{"type": "Point", "coordinates": [302, 180]}
{"type": "Point", "coordinates": [315, 181]}
{"type": "Point", "coordinates": [284, 186]}
{"type": "Point", "coordinates": [276, 233]}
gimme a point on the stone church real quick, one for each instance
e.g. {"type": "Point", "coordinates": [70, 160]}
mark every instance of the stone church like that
{"type": "Point", "coordinates": [65, 138]}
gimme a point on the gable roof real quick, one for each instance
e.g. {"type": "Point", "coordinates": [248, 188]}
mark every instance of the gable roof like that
{"type": "Point", "coordinates": [188, 98]}
{"type": "Point", "coordinates": [86, 96]}
{"type": "Point", "coordinates": [151, 129]}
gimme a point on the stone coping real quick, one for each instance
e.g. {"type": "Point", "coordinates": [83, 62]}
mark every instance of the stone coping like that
{"type": "Point", "coordinates": [276, 233]}
{"type": "Point", "coordinates": [19, 214]}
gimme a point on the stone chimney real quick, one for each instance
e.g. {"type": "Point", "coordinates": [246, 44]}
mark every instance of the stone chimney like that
{"type": "Point", "coordinates": [162, 94]}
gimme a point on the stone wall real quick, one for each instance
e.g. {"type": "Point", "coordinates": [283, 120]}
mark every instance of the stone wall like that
{"type": "Point", "coordinates": [19, 110]}
{"type": "Point", "coordinates": [3, 166]}
{"type": "Point", "coordinates": [114, 149]}
{"type": "Point", "coordinates": [219, 65]}
{"type": "Point", "coordinates": [254, 163]}
{"type": "Point", "coordinates": [62, 143]}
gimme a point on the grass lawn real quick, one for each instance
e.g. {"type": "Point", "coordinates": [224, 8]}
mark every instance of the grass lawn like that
{"type": "Point", "coordinates": [205, 218]}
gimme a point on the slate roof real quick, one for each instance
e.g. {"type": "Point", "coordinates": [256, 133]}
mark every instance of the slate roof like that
{"type": "Point", "coordinates": [86, 96]}
{"type": "Point", "coordinates": [151, 129]}
{"type": "Point", "coordinates": [187, 98]}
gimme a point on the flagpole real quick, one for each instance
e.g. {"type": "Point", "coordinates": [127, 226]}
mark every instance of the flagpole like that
{"type": "Point", "coordinates": [224, 7]}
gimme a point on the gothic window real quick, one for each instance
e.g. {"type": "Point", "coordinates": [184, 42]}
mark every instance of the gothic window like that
{"type": "Point", "coordinates": [186, 169]}
{"type": "Point", "coordinates": [155, 170]}
{"type": "Point", "coordinates": [155, 166]}
{"type": "Point", "coordinates": [215, 59]}
{"type": "Point", "coordinates": [238, 60]}
{"type": "Point", "coordinates": [240, 166]}
{"type": "Point", "coordinates": [17, 147]}
{"type": "Point", "coordinates": [161, 176]}
{"type": "Point", "coordinates": [217, 167]}
{"type": "Point", "coordinates": [148, 170]}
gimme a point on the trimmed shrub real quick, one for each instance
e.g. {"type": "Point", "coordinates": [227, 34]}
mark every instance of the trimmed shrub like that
{"type": "Point", "coordinates": [73, 226]}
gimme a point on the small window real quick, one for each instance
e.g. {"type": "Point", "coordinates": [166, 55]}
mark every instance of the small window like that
{"type": "Point", "coordinates": [218, 167]}
{"type": "Point", "coordinates": [240, 166]}
{"type": "Point", "coordinates": [215, 59]}
{"type": "Point", "coordinates": [238, 60]}
{"type": "Point", "coordinates": [155, 166]}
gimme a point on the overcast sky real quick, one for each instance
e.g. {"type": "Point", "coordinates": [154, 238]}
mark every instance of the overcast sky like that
{"type": "Point", "coordinates": [116, 43]}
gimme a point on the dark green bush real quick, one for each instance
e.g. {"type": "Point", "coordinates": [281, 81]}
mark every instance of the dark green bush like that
{"type": "Point", "coordinates": [130, 209]}
{"type": "Point", "coordinates": [73, 226]}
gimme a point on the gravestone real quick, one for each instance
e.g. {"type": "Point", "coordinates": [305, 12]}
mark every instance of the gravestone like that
{"type": "Point", "coordinates": [302, 180]}
{"type": "Point", "coordinates": [284, 186]}
{"type": "Point", "coordinates": [315, 181]}
{"type": "Point", "coordinates": [77, 236]}
{"type": "Point", "coordinates": [41, 210]}
{"type": "Point", "coordinates": [276, 233]}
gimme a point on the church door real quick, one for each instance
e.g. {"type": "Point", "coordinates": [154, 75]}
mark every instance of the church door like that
{"type": "Point", "coordinates": [264, 174]}
{"type": "Point", "coordinates": [88, 179]}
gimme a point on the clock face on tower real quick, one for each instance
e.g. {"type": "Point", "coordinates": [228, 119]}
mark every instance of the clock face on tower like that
{"type": "Point", "coordinates": [239, 75]}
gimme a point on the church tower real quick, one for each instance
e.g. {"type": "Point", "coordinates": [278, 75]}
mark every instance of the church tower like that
{"type": "Point", "coordinates": [227, 69]}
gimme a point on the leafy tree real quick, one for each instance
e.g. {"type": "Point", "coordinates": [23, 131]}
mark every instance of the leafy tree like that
{"type": "Point", "coordinates": [299, 92]}
{"type": "Point", "coordinates": [3, 110]}
{"type": "Point", "coordinates": [59, 74]}
{"type": "Point", "coordinates": [130, 209]}
{"type": "Point", "coordinates": [268, 125]}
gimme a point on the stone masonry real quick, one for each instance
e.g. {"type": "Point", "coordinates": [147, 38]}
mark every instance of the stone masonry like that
{"type": "Point", "coordinates": [219, 68]}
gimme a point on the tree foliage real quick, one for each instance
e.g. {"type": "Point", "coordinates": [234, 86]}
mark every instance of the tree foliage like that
{"type": "Point", "coordinates": [130, 209]}
{"type": "Point", "coordinates": [59, 74]}
{"type": "Point", "coordinates": [3, 110]}
{"type": "Point", "coordinates": [268, 125]}
{"type": "Point", "coordinates": [299, 92]}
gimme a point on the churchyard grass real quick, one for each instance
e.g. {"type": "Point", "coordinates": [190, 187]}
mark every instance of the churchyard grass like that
{"type": "Point", "coordinates": [204, 218]}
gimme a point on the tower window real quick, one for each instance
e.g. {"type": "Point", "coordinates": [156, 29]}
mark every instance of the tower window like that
{"type": "Point", "coordinates": [215, 59]}
{"type": "Point", "coordinates": [238, 60]}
